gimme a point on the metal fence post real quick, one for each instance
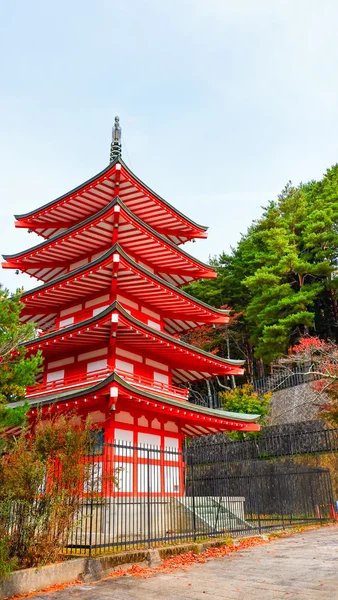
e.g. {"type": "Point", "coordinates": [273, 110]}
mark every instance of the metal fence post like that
{"type": "Point", "coordinates": [193, 499]}
{"type": "Point", "coordinates": [91, 488]}
{"type": "Point", "coordinates": [312, 497]}
{"type": "Point", "coordinates": [259, 507]}
{"type": "Point", "coordinates": [281, 497]}
{"type": "Point", "coordinates": [148, 499]}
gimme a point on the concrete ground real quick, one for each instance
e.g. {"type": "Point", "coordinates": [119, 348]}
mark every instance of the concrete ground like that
{"type": "Point", "coordinates": [303, 566]}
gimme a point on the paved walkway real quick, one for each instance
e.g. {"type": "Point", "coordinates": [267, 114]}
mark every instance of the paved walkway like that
{"type": "Point", "coordinates": [301, 567]}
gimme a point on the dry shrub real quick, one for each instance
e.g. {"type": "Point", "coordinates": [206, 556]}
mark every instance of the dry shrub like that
{"type": "Point", "coordinates": [42, 478]}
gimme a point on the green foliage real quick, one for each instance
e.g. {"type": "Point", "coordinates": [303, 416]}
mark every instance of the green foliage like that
{"type": "Point", "coordinates": [7, 564]}
{"type": "Point", "coordinates": [17, 370]}
{"type": "Point", "coordinates": [287, 279]}
{"type": "Point", "coordinates": [245, 400]}
{"type": "Point", "coordinates": [282, 274]}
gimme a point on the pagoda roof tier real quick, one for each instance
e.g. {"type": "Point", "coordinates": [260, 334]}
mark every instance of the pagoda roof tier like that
{"type": "Point", "coordinates": [195, 420]}
{"type": "Point", "coordinates": [179, 311]}
{"type": "Point", "coordinates": [93, 195]}
{"type": "Point", "coordinates": [56, 256]}
{"type": "Point", "coordinates": [138, 338]}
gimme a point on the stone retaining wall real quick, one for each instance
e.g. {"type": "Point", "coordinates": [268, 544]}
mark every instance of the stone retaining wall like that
{"type": "Point", "coordinates": [91, 569]}
{"type": "Point", "coordinates": [295, 404]}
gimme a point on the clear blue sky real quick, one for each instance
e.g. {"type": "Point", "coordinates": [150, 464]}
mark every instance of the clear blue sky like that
{"type": "Point", "coordinates": [220, 102]}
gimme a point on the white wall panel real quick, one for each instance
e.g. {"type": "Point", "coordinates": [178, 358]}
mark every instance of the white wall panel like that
{"type": "Point", "coordinates": [126, 439]}
{"type": "Point", "coordinates": [124, 366]}
{"type": "Point", "coordinates": [171, 479]}
{"type": "Point", "coordinates": [161, 378]}
{"type": "Point", "coordinates": [149, 477]}
{"type": "Point", "coordinates": [124, 476]}
{"type": "Point", "coordinates": [97, 365]}
{"type": "Point", "coordinates": [65, 322]}
{"type": "Point", "coordinates": [171, 444]}
{"type": "Point", "coordinates": [54, 375]}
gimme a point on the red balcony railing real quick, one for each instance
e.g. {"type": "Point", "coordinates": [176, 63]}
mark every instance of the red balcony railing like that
{"type": "Point", "coordinates": [68, 382]}
{"type": "Point", "coordinates": [155, 386]}
{"type": "Point", "coordinates": [95, 376]}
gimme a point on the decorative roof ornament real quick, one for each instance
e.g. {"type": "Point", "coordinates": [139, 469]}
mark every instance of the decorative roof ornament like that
{"type": "Point", "coordinates": [115, 147]}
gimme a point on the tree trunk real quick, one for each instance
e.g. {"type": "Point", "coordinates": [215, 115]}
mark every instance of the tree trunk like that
{"type": "Point", "coordinates": [209, 392]}
{"type": "Point", "coordinates": [233, 382]}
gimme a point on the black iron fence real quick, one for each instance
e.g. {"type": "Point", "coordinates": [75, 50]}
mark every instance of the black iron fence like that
{"type": "Point", "coordinates": [273, 492]}
{"type": "Point", "coordinates": [268, 444]}
{"type": "Point", "coordinates": [145, 497]}
{"type": "Point", "coordinates": [136, 497]}
{"type": "Point", "coordinates": [281, 380]}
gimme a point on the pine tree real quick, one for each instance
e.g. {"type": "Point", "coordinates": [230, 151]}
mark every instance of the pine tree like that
{"type": "Point", "coordinates": [286, 285]}
{"type": "Point", "coordinates": [282, 274]}
{"type": "Point", "coordinates": [321, 241]}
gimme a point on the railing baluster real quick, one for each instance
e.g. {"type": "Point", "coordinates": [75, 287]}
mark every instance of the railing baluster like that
{"type": "Point", "coordinates": [140, 380]}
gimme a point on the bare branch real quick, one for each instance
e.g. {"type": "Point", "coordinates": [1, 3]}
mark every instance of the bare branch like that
{"type": "Point", "coordinates": [225, 387]}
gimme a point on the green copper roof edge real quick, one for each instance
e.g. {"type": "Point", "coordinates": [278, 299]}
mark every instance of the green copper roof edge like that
{"type": "Point", "coordinates": [116, 200]}
{"type": "Point", "coordinates": [179, 404]}
{"type": "Point", "coordinates": [66, 276]}
{"type": "Point", "coordinates": [114, 377]}
{"type": "Point", "coordinates": [62, 234]}
{"type": "Point", "coordinates": [117, 306]}
{"type": "Point", "coordinates": [203, 227]}
{"type": "Point", "coordinates": [105, 170]}
{"type": "Point", "coordinates": [73, 191]}
{"type": "Point", "coordinates": [119, 249]}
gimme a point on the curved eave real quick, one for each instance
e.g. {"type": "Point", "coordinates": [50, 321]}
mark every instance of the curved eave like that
{"type": "Point", "coordinates": [97, 216]}
{"type": "Point", "coordinates": [185, 406]}
{"type": "Point", "coordinates": [116, 306]}
{"type": "Point", "coordinates": [170, 206]}
{"type": "Point", "coordinates": [99, 261]}
{"type": "Point", "coordinates": [97, 176]}
{"type": "Point", "coordinates": [68, 276]}
{"type": "Point", "coordinates": [59, 236]}
{"type": "Point", "coordinates": [65, 196]}
{"type": "Point", "coordinates": [69, 395]}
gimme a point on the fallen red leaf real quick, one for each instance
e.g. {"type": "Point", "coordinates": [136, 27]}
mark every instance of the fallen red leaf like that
{"type": "Point", "coordinates": [182, 561]}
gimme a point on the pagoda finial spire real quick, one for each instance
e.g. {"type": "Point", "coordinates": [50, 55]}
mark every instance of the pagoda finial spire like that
{"type": "Point", "coordinates": [115, 147]}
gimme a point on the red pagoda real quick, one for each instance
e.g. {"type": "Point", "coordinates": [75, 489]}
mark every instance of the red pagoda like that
{"type": "Point", "coordinates": [110, 312]}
